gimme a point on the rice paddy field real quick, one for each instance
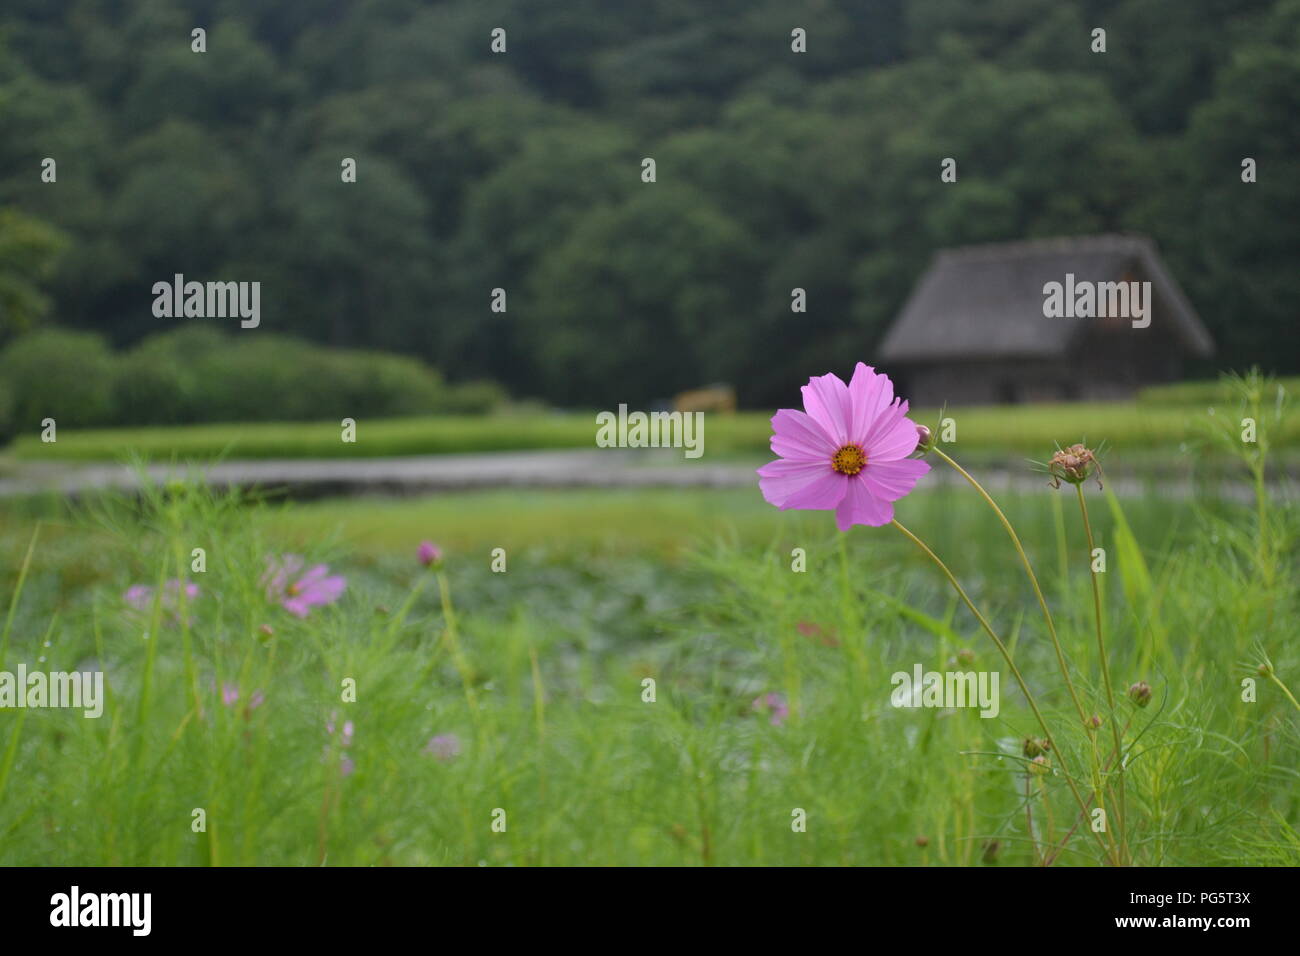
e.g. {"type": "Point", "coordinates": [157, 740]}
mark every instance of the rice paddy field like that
{"type": "Point", "coordinates": [641, 677]}
{"type": "Point", "coordinates": [1162, 421]}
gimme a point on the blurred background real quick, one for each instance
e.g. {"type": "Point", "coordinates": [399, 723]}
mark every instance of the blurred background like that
{"type": "Point", "coordinates": [521, 170]}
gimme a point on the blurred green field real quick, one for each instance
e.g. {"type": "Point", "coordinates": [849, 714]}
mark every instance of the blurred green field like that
{"type": "Point", "coordinates": [544, 689]}
{"type": "Point", "coordinates": [1150, 424]}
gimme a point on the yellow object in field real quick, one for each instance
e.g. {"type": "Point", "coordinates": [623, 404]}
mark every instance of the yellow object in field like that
{"type": "Point", "coordinates": [712, 398]}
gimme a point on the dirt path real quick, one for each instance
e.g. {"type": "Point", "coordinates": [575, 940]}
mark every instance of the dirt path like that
{"type": "Point", "coordinates": [425, 474]}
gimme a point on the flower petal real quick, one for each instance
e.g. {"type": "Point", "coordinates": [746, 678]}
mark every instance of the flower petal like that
{"type": "Point", "coordinates": [778, 480]}
{"type": "Point", "coordinates": [870, 393]}
{"type": "Point", "coordinates": [798, 436]}
{"type": "Point", "coordinates": [296, 606]}
{"type": "Point", "coordinates": [826, 399]}
{"type": "Point", "coordinates": [860, 506]}
{"type": "Point", "coordinates": [891, 480]}
{"type": "Point", "coordinates": [895, 439]}
{"type": "Point", "coordinates": [324, 590]}
{"type": "Point", "coordinates": [821, 494]}
{"type": "Point", "coordinates": [313, 574]}
{"type": "Point", "coordinates": [278, 572]}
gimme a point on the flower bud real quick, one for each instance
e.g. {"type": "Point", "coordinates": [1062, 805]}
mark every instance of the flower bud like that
{"type": "Point", "coordinates": [965, 657]}
{"type": "Point", "coordinates": [1036, 747]}
{"type": "Point", "coordinates": [1093, 722]}
{"type": "Point", "coordinates": [1040, 765]}
{"type": "Point", "coordinates": [923, 437]}
{"type": "Point", "coordinates": [1140, 693]}
{"type": "Point", "coordinates": [430, 554]}
{"type": "Point", "coordinates": [1072, 465]}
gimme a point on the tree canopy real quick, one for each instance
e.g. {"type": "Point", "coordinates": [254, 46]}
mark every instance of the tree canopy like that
{"type": "Point", "coordinates": [522, 170]}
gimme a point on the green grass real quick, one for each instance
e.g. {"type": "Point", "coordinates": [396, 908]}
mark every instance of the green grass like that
{"type": "Point", "coordinates": [544, 684]}
{"type": "Point", "coordinates": [543, 672]}
{"type": "Point", "coordinates": [1209, 392]}
{"type": "Point", "coordinates": [1026, 430]}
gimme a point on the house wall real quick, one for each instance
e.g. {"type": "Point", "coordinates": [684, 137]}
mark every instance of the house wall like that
{"type": "Point", "coordinates": [984, 383]}
{"type": "Point", "coordinates": [1089, 374]}
{"type": "Point", "coordinates": [1110, 360]}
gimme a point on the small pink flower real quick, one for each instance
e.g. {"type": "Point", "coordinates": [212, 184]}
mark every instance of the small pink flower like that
{"type": "Point", "coordinates": [444, 746]}
{"type": "Point", "coordinates": [846, 452]}
{"type": "Point", "coordinates": [230, 697]}
{"type": "Point", "coordinates": [773, 704]}
{"type": "Point", "coordinates": [430, 554]}
{"type": "Point", "coordinates": [818, 633]}
{"type": "Point", "coordinates": [299, 594]}
{"type": "Point", "coordinates": [140, 597]}
{"type": "Point", "coordinates": [345, 738]}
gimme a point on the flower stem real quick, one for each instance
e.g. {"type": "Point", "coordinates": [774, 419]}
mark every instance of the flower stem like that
{"type": "Point", "coordinates": [1105, 664]}
{"type": "Point", "coordinates": [1289, 696]}
{"type": "Point", "coordinates": [453, 641]}
{"type": "Point", "coordinates": [1029, 819]}
{"type": "Point", "coordinates": [1105, 769]}
{"type": "Point", "coordinates": [1011, 664]}
{"type": "Point", "coordinates": [1033, 579]}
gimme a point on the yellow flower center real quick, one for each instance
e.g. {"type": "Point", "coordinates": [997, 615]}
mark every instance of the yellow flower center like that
{"type": "Point", "coordinates": [849, 460]}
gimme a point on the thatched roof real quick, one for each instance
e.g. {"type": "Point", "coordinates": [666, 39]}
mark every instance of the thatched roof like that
{"type": "Point", "coordinates": [986, 302]}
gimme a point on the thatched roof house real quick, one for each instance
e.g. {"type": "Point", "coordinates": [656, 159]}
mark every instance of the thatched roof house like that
{"type": "Point", "coordinates": [985, 324]}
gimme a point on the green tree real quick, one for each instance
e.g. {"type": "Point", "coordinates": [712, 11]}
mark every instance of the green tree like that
{"type": "Point", "coordinates": [29, 252]}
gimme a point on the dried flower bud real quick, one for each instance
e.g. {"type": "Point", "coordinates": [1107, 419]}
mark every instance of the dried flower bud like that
{"type": "Point", "coordinates": [1036, 746]}
{"type": "Point", "coordinates": [1140, 693]}
{"type": "Point", "coordinates": [1072, 465]}
{"type": "Point", "coordinates": [923, 841]}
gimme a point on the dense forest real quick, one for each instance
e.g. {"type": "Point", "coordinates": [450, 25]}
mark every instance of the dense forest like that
{"type": "Point", "coordinates": [522, 170]}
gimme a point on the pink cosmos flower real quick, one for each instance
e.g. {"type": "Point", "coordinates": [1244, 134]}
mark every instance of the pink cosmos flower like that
{"type": "Point", "coordinates": [140, 596]}
{"type": "Point", "coordinates": [230, 697]}
{"type": "Point", "coordinates": [229, 694]}
{"type": "Point", "coordinates": [846, 451]}
{"type": "Point", "coordinates": [298, 595]}
{"type": "Point", "coordinates": [343, 737]}
{"type": "Point", "coordinates": [346, 737]}
{"type": "Point", "coordinates": [773, 704]}
{"type": "Point", "coordinates": [444, 746]}
{"type": "Point", "coordinates": [430, 554]}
